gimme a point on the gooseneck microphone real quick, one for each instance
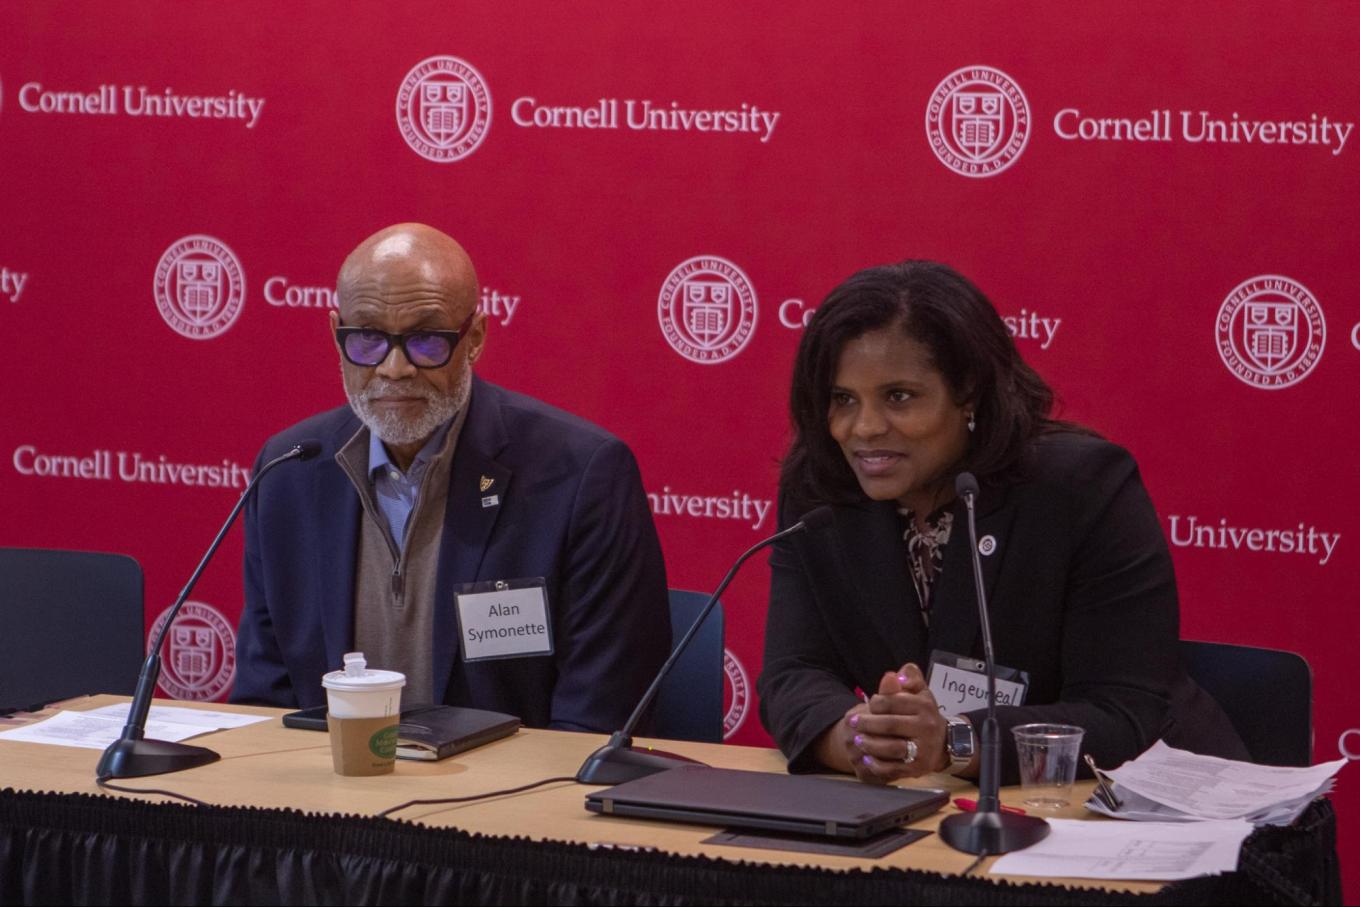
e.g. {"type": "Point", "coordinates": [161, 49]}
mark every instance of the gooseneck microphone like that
{"type": "Point", "coordinates": [617, 761]}
{"type": "Point", "coordinates": [131, 755]}
{"type": "Point", "coordinates": [988, 831]}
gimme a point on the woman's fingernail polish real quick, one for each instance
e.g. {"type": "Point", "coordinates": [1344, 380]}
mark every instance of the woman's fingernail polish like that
{"type": "Point", "coordinates": [867, 761]}
{"type": "Point", "coordinates": [859, 740]}
{"type": "Point", "coordinates": [902, 679]}
{"type": "Point", "coordinates": [854, 721]}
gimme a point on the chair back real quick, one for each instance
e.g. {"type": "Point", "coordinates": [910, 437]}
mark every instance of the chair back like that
{"type": "Point", "coordinates": [1267, 695]}
{"type": "Point", "coordinates": [71, 623]}
{"type": "Point", "coordinates": [689, 705]}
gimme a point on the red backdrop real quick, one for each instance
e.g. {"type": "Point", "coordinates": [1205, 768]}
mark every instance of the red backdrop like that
{"type": "Point", "coordinates": [1160, 198]}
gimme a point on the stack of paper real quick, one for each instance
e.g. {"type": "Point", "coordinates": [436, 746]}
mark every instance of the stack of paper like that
{"type": "Point", "coordinates": [1166, 784]}
{"type": "Point", "coordinates": [1151, 851]}
{"type": "Point", "coordinates": [97, 728]}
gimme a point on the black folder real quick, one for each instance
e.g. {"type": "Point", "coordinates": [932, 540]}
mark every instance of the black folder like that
{"type": "Point", "coordinates": [429, 732]}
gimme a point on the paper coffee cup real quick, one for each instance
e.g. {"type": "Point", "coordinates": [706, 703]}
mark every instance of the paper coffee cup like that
{"type": "Point", "coordinates": [363, 709]}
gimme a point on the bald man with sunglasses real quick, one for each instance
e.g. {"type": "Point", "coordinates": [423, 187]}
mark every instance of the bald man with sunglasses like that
{"type": "Point", "coordinates": [433, 489]}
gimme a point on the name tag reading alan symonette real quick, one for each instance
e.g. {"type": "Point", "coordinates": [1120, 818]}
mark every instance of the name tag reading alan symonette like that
{"type": "Point", "coordinates": [504, 619]}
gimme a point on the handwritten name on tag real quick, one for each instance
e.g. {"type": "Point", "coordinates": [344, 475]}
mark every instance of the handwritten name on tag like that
{"type": "Point", "coordinates": [957, 691]}
{"type": "Point", "coordinates": [509, 623]}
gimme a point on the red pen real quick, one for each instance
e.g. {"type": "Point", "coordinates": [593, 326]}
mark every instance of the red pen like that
{"type": "Point", "coordinates": [970, 806]}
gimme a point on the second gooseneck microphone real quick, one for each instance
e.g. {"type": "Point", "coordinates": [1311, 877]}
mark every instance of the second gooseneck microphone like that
{"type": "Point", "coordinates": [617, 761]}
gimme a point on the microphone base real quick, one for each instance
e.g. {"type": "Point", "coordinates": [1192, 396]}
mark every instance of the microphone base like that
{"type": "Point", "coordinates": [134, 758]}
{"type": "Point", "coordinates": [992, 833]}
{"type": "Point", "coordinates": [617, 761]}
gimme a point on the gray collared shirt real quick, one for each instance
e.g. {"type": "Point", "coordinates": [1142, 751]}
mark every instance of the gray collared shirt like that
{"type": "Point", "coordinates": [396, 491]}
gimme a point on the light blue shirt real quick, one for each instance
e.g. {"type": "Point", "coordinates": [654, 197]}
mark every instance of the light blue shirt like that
{"type": "Point", "coordinates": [397, 491]}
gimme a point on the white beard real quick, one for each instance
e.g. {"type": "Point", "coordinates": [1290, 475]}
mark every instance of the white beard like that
{"type": "Point", "coordinates": [392, 427]}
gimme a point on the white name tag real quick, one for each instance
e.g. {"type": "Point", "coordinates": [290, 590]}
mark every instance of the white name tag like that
{"type": "Point", "coordinates": [957, 690]}
{"type": "Point", "coordinates": [504, 622]}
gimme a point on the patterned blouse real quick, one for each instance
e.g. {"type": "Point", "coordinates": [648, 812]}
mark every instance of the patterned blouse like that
{"type": "Point", "coordinates": [925, 552]}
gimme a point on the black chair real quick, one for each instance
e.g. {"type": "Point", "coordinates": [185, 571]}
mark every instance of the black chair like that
{"type": "Point", "coordinates": [1267, 694]}
{"type": "Point", "coordinates": [689, 705]}
{"type": "Point", "coordinates": [71, 623]}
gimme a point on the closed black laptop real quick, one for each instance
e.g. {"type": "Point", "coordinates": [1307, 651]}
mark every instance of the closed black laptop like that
{"type": "Point", "coordinates": [787, 803]}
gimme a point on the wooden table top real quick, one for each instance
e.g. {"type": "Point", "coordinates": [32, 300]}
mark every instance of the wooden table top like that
{"type": "Point", "coordinates": [268, 765]}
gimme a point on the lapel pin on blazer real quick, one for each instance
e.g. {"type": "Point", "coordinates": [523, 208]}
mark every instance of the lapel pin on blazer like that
{"type": "Point", "coordinates": [489, 500]}
{"type": "Point", "coordinates": [987, 545]}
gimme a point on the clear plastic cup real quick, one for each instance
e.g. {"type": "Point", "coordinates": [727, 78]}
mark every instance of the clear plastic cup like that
{"type": "Point", "coordinates": [363, 709]}
{"type": "Point", "coordinates": [1048, 762]}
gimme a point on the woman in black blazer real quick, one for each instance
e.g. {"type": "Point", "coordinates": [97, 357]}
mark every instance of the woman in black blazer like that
{"type": "Point", "coordinates": [905, 377]}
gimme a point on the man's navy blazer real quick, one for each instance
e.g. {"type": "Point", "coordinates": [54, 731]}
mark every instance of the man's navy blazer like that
{"type": "Point", "coordinates": [570, 508]}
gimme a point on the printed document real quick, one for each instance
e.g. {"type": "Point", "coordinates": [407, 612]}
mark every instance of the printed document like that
{"type": "Point", "coordinates": [97, 728]}
{"type": "Point", "coordinates": [1207, 787]}
{"type": "Point", "coordinates": [1134, 851]}
{"type": "Point", "coordinates": [203, 718]}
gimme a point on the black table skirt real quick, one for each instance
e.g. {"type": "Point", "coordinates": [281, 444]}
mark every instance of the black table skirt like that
{"type": "Point", "coordinates": [81, 849]}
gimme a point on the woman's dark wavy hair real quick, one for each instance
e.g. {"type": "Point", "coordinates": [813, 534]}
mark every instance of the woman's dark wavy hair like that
{"type": "Point", "coordinates": [967, 341]}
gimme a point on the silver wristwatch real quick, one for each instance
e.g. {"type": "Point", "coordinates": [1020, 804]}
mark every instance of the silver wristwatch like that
{"type": "Point", "coordinates": [960, 744]}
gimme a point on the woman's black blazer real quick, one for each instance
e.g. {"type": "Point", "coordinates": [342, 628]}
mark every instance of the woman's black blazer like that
{"type": "Point", "coordinates": [1081, 594]}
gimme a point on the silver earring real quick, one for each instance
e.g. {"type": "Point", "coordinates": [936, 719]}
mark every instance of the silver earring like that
{"type": "Point", "coordinates": [972, 422]}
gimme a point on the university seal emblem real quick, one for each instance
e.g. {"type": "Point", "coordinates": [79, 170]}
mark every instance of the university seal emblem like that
{"type": "Point", "coordinates": [707, 309]}
{"type": "Point", "coordinates": [977, 121]}
{"type": "Point", "coordinates": [443, 109]}
{"type": "Point", "coordinates": [1270, 332]}
{"type": "Point", "coordinates": [199, 287]}
{"type": "Point", "coordinates": [199, 655]}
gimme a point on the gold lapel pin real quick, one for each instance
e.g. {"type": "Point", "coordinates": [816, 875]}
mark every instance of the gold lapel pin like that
{"type": "Point", "coordinates": [487, 482]}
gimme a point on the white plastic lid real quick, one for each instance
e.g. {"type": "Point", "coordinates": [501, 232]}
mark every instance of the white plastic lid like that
{"type": "Point", "coordinates": [357, 678]}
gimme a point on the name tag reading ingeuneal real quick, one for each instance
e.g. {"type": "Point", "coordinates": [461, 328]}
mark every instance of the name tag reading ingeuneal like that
{"type": "Point", "coordinates": [959, 684]}
{"type": "Point", "coordinates": [504, 619]}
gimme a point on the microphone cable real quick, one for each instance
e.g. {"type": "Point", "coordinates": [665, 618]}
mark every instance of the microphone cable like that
{"type": "Point", "coordinates": [103, 782]}
{"type": "Point", "coordinates": [982, 855]}
{"type": "Point", "coordinates": [386, 813]}
{"type": "Point", "coordinates": [495, 793]}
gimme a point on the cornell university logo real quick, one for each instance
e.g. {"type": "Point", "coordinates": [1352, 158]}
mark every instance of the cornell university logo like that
{"type": "Point", "coordinates": [1270, 332]}
{"type": "Point", "coordinates": [443, 109]}
{"type": "Point", "coordinates": [977, 121]}
{"type": "Point", "coordinates": [200, 653]}
{"type": "Point", "coordinates": [738, 692]}
{"type": "Point", "coordinates": [707, 309]}
{"type": "Point", "coordinates": [199, 287]}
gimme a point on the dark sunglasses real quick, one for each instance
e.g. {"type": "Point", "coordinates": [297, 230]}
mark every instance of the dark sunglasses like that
{"type": "Point", "coordinates": [368, 347]}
